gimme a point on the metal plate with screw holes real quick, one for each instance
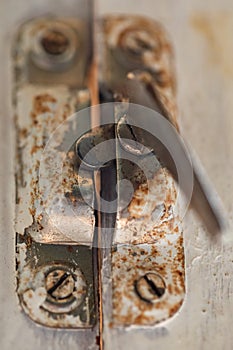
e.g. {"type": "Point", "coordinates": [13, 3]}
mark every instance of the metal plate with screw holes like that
{"type": "Point", "coordinates": [142, 244]}
{"type": "Point", "coordinates": [45, 99]}
{"type": "Point", "coordinates": [148, 239]}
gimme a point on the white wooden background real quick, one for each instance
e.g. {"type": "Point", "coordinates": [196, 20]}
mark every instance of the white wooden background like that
{"type": "Point", "coordinates": [202, 35]}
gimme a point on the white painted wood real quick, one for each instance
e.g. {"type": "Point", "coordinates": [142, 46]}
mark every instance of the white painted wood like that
{"type": "Point", "coordinates": [202, 35]}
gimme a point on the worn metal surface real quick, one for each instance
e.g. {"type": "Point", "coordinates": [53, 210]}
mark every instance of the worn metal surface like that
{"type": "Point", "coordinates": [140, 48]}
{"type": "Point", "coordinates": [72, 307]}
{"type": "Point", "coordinates": [48, 202]}
{"type": "Point", "coordinates": [46, 211]}
{"type": "Point", "coordinates": [149, 223]}
{"type": "Point", "coordinates": [129, 263]}
{"type": "Point", "coordinates": [201, 32]}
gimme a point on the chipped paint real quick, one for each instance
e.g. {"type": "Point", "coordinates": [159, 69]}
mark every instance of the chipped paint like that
{"type": "Point", "coordinates": [148, 236]}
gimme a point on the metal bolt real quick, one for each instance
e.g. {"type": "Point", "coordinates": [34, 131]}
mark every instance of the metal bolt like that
{"type": "Point", "coordinates": [59, 284]}
{"type": "Point", "coordinates": [150, 287]}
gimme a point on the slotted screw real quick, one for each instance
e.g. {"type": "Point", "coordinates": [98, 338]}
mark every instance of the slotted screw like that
{"type": "Point", "coordinates": [150, 287]}
{"type": "Point", "coordinates": [59, 284]}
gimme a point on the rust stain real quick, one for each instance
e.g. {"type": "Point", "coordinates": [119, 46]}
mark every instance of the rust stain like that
{"type": "Point", "coordinates": [128, 309]}
{"type": "Point", "coordinates": [217, 30]}
{"type": "Point", "coordinates": [40, 104]}
{"type": "Point", "coordinates": [43, 104]}
{"type": "Point", "coordinates": [143, 44]}
{"type": "Point", "coordinates": [155, 245]}
{"type": "Point", "coordinates": [165, 193]}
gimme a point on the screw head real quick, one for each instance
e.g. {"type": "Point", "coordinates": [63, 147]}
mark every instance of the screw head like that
{"type": "Point", "coordinates": [55, 46]}
{"type": "Point", "coordinates": [150, 287]}
{"type": "Point", "coordinates": [59, 284]}
{"type": "Point", "coordinates": [54, 42]}
{"type": "Point", "coordinates": [66, 288]}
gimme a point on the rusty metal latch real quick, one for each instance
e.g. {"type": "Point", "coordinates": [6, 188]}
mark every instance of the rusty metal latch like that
{"type": "Point", "coordinates": [98, 220]}
{"type": "Point", "coordinates": [58, 256]}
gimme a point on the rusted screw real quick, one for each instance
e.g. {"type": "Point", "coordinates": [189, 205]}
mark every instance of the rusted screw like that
{"type": "Point", "coordinates": [150, 287]}
{"type": "Point", "coordinates": [138, 41]}
{"type": "Point", "coordinates": [54, 42]}
{"type": "Point", "coordinates": [59, 284]}
{"type": "Point", "coordinates": [66, 288]}
{"type": "Point", "coordinates": [55, 46]}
